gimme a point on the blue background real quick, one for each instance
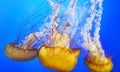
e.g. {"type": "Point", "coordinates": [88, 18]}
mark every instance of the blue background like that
{"type": "Point", "coordinates": [13, 12]}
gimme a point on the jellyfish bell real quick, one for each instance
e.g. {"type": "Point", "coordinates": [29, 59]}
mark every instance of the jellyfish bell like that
{"type": "Point", "coordinates": [20, 54]}
{"type": "Point", "coordinates": [24, 51]}
{"type": "Point", "coordinates": [96, 64]}
{"type": "Point", "coordinates": [55, 57]}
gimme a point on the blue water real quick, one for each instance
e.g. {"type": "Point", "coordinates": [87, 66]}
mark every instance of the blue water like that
{"type": "Point", "coordinates": [13, 12]}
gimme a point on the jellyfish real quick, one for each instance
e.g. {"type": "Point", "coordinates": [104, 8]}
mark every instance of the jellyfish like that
{"type": "Point", "coordinates": [95, 64]}
{"type": "Point", "coordinates": [20, 54]}
{"type": "Point", "coordinates": [23, 48]}
{"type": "Point", "coordinates": [55, 56]}
{"type": "Point", "coordinates": [56, 50]}
{"type": "Point", "coordinates": [96, 60]}
{"type": "Point", "coordinates": [23, 52]}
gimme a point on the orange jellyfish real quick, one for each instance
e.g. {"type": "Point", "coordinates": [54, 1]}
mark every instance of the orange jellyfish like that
{"type": "Point", "coordinates": [95, 64]}
{"type": "Point", "coordinates": [59, 57]}
{"type": "Point", "coordinates": [23, 52]}
{"type": "Point", "coordinates": [56, 53]}
{"type": "Point", "coordinates": [23, 48]}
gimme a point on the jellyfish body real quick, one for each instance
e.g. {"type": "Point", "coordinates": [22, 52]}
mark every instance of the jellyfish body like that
{"type": "Point", "coordinates": [97, 65]}
{"type": "Point", "coordinates": [57, 58]}
{"type": "Point", "coordinates": [20, 54]}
